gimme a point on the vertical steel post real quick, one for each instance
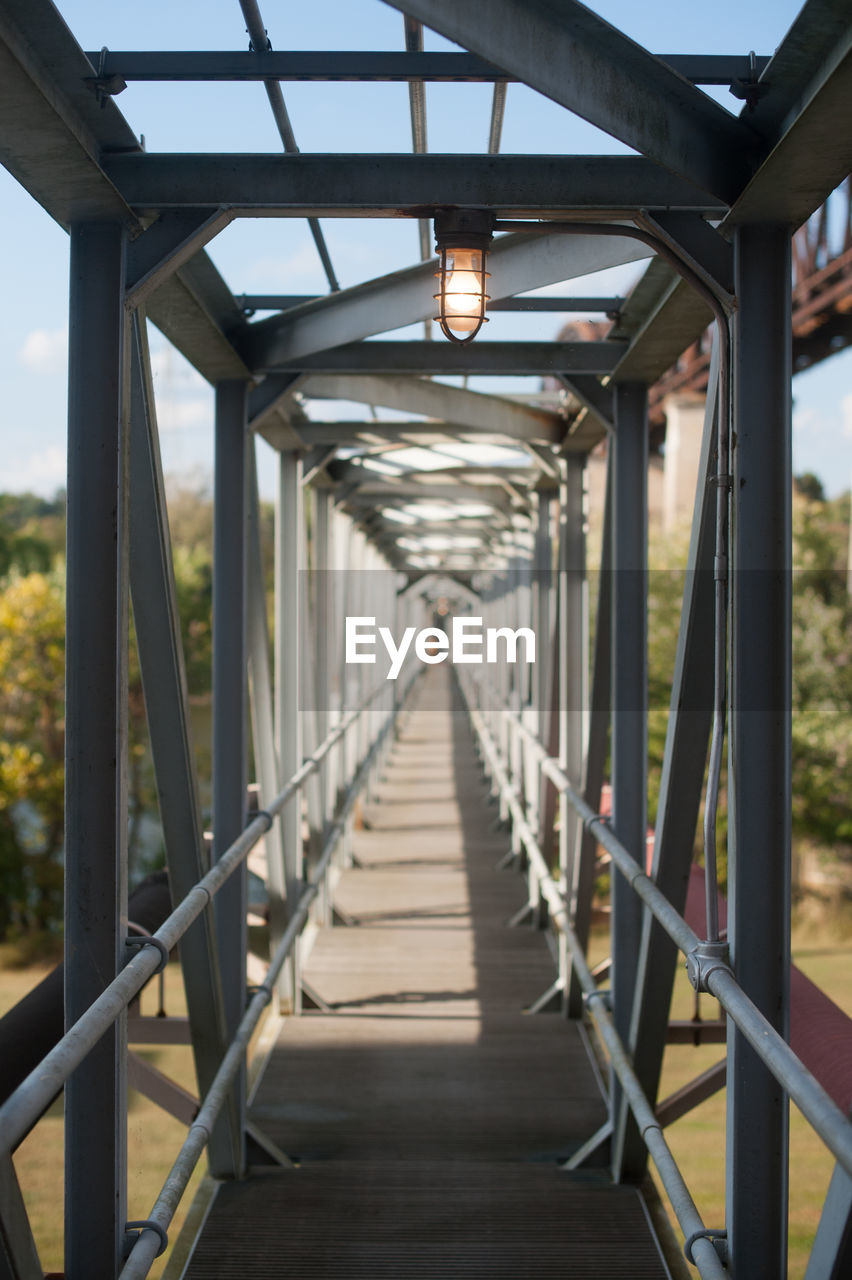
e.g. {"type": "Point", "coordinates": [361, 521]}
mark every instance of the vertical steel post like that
{"type": "Point", "coordinates": [681, 784]}
{"type": "Point", "coordinates": [325, 623]}
{"type": "Point", "coordinates": [288, 534]}
{"type": "Point", "coordinates": [545, 670]}
{"type": "Point", "coordinates": [260, 703]}
{"type": "Point", "coordinates": [161, 661]}
{"type": "Point", "coordinates": [230, 516]}
{"type": "Point", "coordinates": [572, 682]}
{"type": "Point", "coordinates": [759, 742]}
{"type": "Point", "coordinates": [96, 745]}
{"type": "Point", "coordinates": [595, 756]}
{"type": "Point", "coordinates": [629, 684]}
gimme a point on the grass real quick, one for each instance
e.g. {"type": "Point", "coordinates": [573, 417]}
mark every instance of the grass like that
{"type": "Point", "coordinates": [697, 1140]}
{"type": "Point", "coordinates": [153, 1137]}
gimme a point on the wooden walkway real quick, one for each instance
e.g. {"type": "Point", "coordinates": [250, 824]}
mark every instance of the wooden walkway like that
{"type": "Point", "coordinates": [427, 1112]}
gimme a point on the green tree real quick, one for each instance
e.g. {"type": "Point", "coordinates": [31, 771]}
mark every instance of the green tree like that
{"type": "Point", "coordinates": [32, 687]}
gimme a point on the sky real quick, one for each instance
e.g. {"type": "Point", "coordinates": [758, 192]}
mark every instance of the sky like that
{"type": "Point", "coordinates": [272, 255]}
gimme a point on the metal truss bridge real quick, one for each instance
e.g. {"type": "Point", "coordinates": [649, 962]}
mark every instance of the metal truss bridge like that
{"type": "Point", "coordinates": [401, 1114]}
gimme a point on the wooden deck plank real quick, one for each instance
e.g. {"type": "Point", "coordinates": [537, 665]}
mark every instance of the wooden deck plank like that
{"type": "Point", "coordinates": [428, 1111]}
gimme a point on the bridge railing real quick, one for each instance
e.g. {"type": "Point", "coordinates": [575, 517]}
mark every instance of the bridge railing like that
{"type": "Point", "coordinates": [23, 1108]}
{"type": "Point", "coordinates": [504, 738]}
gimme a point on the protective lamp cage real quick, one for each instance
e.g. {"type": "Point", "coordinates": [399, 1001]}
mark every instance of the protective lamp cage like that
{"type": "Point", "coordinates": [462, 240]}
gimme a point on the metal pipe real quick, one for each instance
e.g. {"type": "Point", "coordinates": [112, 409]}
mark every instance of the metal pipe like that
{"type": "Point", "coordinates": [260, 43]}
{"type": "Point", "coordinates": [498, 108]}
{"type": "Point", "coordinates": [707, 1260]}
{"type": "Point", "coordinates": [25, 1105]}
{"type": "Point", "coordinates": [148, 1244]}
{"type": "Point", "coordinates": [824, 1115]}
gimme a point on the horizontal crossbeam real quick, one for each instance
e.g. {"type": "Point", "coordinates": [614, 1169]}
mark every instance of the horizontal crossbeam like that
{"type": "Point", "coordinates": [250, 302]}
{"type": "Point", "coordinates": [516, 358]}
{"type": "Point", "coordinates": [360, 65]}
{"type": "Point", "coordinates": [385, 186]}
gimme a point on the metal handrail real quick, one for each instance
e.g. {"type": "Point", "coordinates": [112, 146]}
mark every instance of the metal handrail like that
{"type": "Point", "coordinates": [149, 1241]}
{"type": "Point", "coordinates": [704, 1252]}
{"type": "Point", "coordinates": [825, 1117]}
{"type": "Point", "coordinates": [22, 1108]}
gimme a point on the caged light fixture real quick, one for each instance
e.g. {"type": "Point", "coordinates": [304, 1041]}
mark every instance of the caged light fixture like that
{"type": "Point", "coordinates": [462, 239]}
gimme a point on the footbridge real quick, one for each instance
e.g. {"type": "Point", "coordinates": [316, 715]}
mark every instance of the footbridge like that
{"type": "Point", "coordinates": [412, 1054]}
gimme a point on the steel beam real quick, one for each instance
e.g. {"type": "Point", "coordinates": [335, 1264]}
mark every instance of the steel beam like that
{"type": "Point", "coordinates": [516, 263]}
{"type": "Point", "coordinates": [19, 1258]}
{"type": "Point", "coordinates": [55, 131]}
{"type": "Point", "coordinates": [161, 660]}
{"type": "Point", "coordinates": [371, 433]}
{"type": "Point", "coordinates": [519, 358]}
{"type": "Point", "coordinates": [53, 127]}
{"type": "Point", "coordinates": [629, 687]}
{"type": "Point", "coordinates": [612, 82]}
{"type": "Point", "coordinates": [760, 743]}
{"type": "Point", "coordinates": [573, 682]}
{"type": "Point", "coordinates": [359, 66]}
{"type": "Point", "coordinates": [251, 302]}
{"type": "Point", "coordinates": [288, 729]}
{"type": "Point", "coordinates": [594, 764]}
{"type": "Point", "coordinates": [435, 400]}
{"type": "Point", "coordinates": [262, 720]}
{"type": "Point", "coordinates": [96, 745]}
{"type": "Point", "coordinates": [684, 760]}
{"type": "Point", "coordinates": [230, 503]}
{"type": "Point", "coordinates": [808, 86]}
{"type": "Point", "coordinates": [806, 156]}
{"type": "Point", "coordinates": [369, 186]}
{"type": "Point", "coordinates": [594, 397]}
{"type": "Point", "coordinates": [375, 493]}
{"type": "Point", "coordinates": [166, 245]}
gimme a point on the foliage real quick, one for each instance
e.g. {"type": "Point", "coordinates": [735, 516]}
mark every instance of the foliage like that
{"type": "Point", "coordinates": [822, 666]}
{"type": "Point", "coordinates": [32, 688]}
{"type": "Point", "coordinates": [32, 532]}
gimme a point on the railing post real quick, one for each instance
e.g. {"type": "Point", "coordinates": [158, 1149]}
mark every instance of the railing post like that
{"type": "Point", "coordinates": [324, 624]}
{"type": "Point", "coordinates": [96, 745]}
{"type": "Point", "coordinates": [267, 772]}
{"type": "Point", "coordinates": [546, 670]}
{"type": "Point", "coordinates": [572, 682]}
{"type": "Point", "coordinates": [230, 529]}
{"type": "Point", "coordinates": [629, 686]}
{"type": "Point", "coordinates": [288, 597]}
{"type": "Point", "coordinates": [681, 783]}
{"type": "Point", "coordinates": [759, 743]}
{"type": "Point", "coordinates": [596, 746]}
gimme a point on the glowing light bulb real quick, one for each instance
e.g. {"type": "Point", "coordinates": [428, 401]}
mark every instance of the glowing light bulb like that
{"type": "Point", "coordinates": [463, 293]}
{"type": "Point", "coordinates": [462, 237]}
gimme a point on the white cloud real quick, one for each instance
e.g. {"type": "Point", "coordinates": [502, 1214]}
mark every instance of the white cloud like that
{"type": "Point", "coordinates": [846, 414]}
{"type": "Point", "coordinates": [42, 473]}
{"type": "Point", "coordinates": [274, 274]}
{"type": "Point", "coordinates": [45, 351]}
{"type": "Point", "coordinates": [178, 415]}
{"type": "Point", "coordinates": [805, 419]}
{"type": "Point", "coordinates": [183, 399]}
{"type": "Point", "coordinates": [169, 368]}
